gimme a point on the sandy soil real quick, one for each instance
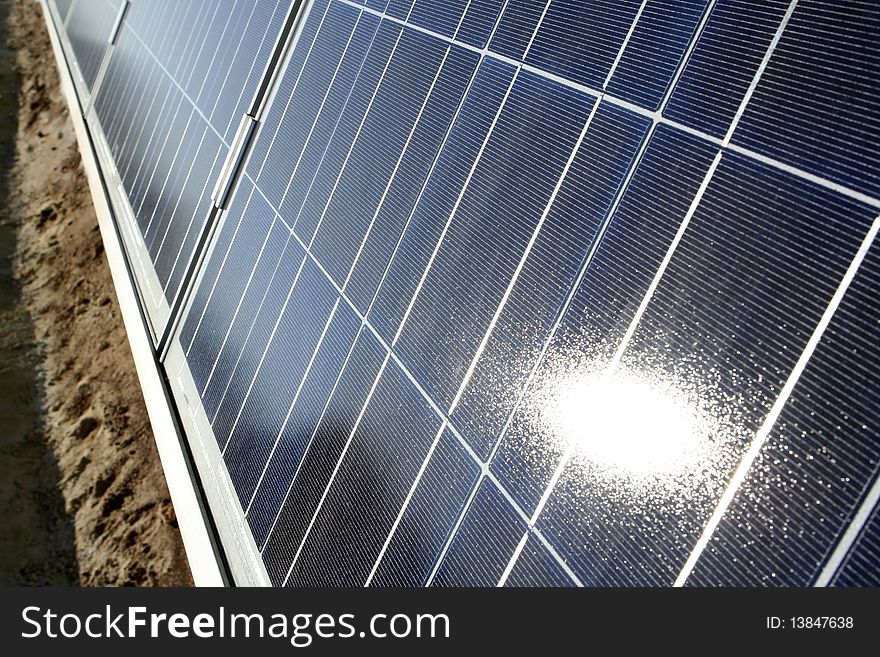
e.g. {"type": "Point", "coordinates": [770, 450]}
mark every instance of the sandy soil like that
{"type": "Point", "coordinates": [110, 478]}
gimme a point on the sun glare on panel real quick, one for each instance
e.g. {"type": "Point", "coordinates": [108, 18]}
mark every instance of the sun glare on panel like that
{"type": "Point", "coordinates": [628, 425]}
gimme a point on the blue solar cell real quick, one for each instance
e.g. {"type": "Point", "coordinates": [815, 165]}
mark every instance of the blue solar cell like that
{"type": "Point", "coordinates": [238, 297]}
{"type": "Point", "coordinates": [376, 474]}
{"type": "Point", "coordinates": [325, 448]}
{"type": "Point", "coordinates": [535, 566]}
{"type": "Point", "coordinates": [347, 82]}
{"type": "Point", "coordinates": [725, 59]}
{"type": "Point", "coordinates": [517, 27]}
{"type": "Point", "coordinates": [580, 41]}
{"type": "Point", "coordinates": [308, 50]}
{"type": "Point", "coordinates": [484, 543]}
{"type": "Point", "coordinates": [817, 462]}
{"type": "Point", "coordinates": [469, 271]}
{"type": "Point", "coordinates": [428, 519]}
{"type": "Point", "coordinates": [373, 156]}
{"type": "Point", "coordinates": [283, 364]}
{"type": "Point", "coordinates": [616, 278]}
{"type": "Point", "coordinates": [478, 22]}
{"type": "Point", "coordinates": [305, 412]}
{"type": "Point", "coordinates": [570, 230]}
{"type": "Point", "coordinates": [227, 390]}
{"type": "Point", "coordinates": [409, 178]}
{"type": "Point", "coordinates": [860, 567]}
{"type": "Point", "coordinates": [654, 51]}
{"type": "Point", "coordinates": [437, 200]}
{"type": "Point", "coordinates": [441, 16]}
{"type": "Point", "coordinates": [399, 8]}
{"type": "Point", "coordinates": [824, 119]}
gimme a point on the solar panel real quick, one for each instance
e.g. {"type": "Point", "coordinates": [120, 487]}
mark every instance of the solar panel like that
{"type": "Point", "coordinates": [510, 292]}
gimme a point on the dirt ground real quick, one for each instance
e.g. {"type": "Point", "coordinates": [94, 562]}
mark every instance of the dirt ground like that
{"type": "Point", "coordinates": [109, 475]}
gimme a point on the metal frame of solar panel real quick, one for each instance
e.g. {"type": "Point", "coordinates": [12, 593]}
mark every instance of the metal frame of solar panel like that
{"type": "Point", "coordinates": [506, 292]}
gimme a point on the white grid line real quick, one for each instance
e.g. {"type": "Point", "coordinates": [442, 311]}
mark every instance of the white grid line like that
{"type": "Point", "coordinates": [745, 464]}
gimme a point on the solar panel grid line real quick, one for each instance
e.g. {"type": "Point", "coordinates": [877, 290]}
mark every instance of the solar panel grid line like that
{"type": "Point", "coordinates": [502, 581]}
{"type": "Point", "coordinates": [392, 177]}
{"type": "Point", "coordinates": [516, 274]}
{"type": "Point", "coordinates": [309, 245]}
{"type": "Point", "coordinates": [760, 436]}
{"type": "Point", "coordinates": [454, 208]}
{"type": "Point", "coordinates": [272, 94]}
{"type": "Point", "coordinates": [616, 63]}
{"type": "Point", "coordinates": [531, 40]}
{"type": "Point", "coordinates": [834, 564]}
{"type": "Point", "coordinates": [318, 115]}
{"type": "Point", "coordinates": [410, 493]}
{"type": "Point", "coordinates": [339, 462]}
{"type": "Point", "coordinates": [760, 72]}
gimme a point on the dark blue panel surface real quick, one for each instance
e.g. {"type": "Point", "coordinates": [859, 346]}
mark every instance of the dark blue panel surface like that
{"type": "Point", "coordinates": [374, 155]}
{"type": "Point", "coordinates": [412, 171]}
{"type": "Point", "coordinates": [325, 449]}
{"type": "Point", "coordinates": [479, 21]}
{"type": "Point", "coordinates": [484, 543]}
{"type": "Point", "coordinates": [439, 197]}
{"type": "Point", "coordinates": [826, 118]}
{"type": "Point", "coordinates": [386, 451]}
{"type": "Point", "coordinates": [535, 566]}
{"type": "Point", "coordinates": [565, 239]}
{"type": "Point", "coordinates": [860, 567]}
{"type": "Point", "coordinates": [724, 62]}
{"type": "Point", "coordinates": [580, 41]}
{"type": "Point", "coordinates": [490, 229]}
{"type": "Point", "coordinates": [816, 464]}
{"type": "Point", "coordinates": [430, 516]}
{"type": "Point", "coordinates": [441, 16]}
{"type": "Point", "coordinates": [616, 279]}
{"type": "Point", "coordinates": [308, 406]}
{"type": "Point", "coordinates": [517, 27]}
{"type": "Point", "coordinates": [723, 331]}
{"type": "Point", "coordinates": [655, 51]}
{"type": "Point", "coordinates": [348, 86]}
{"type": "Point", "coordinates": [284, 362]}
